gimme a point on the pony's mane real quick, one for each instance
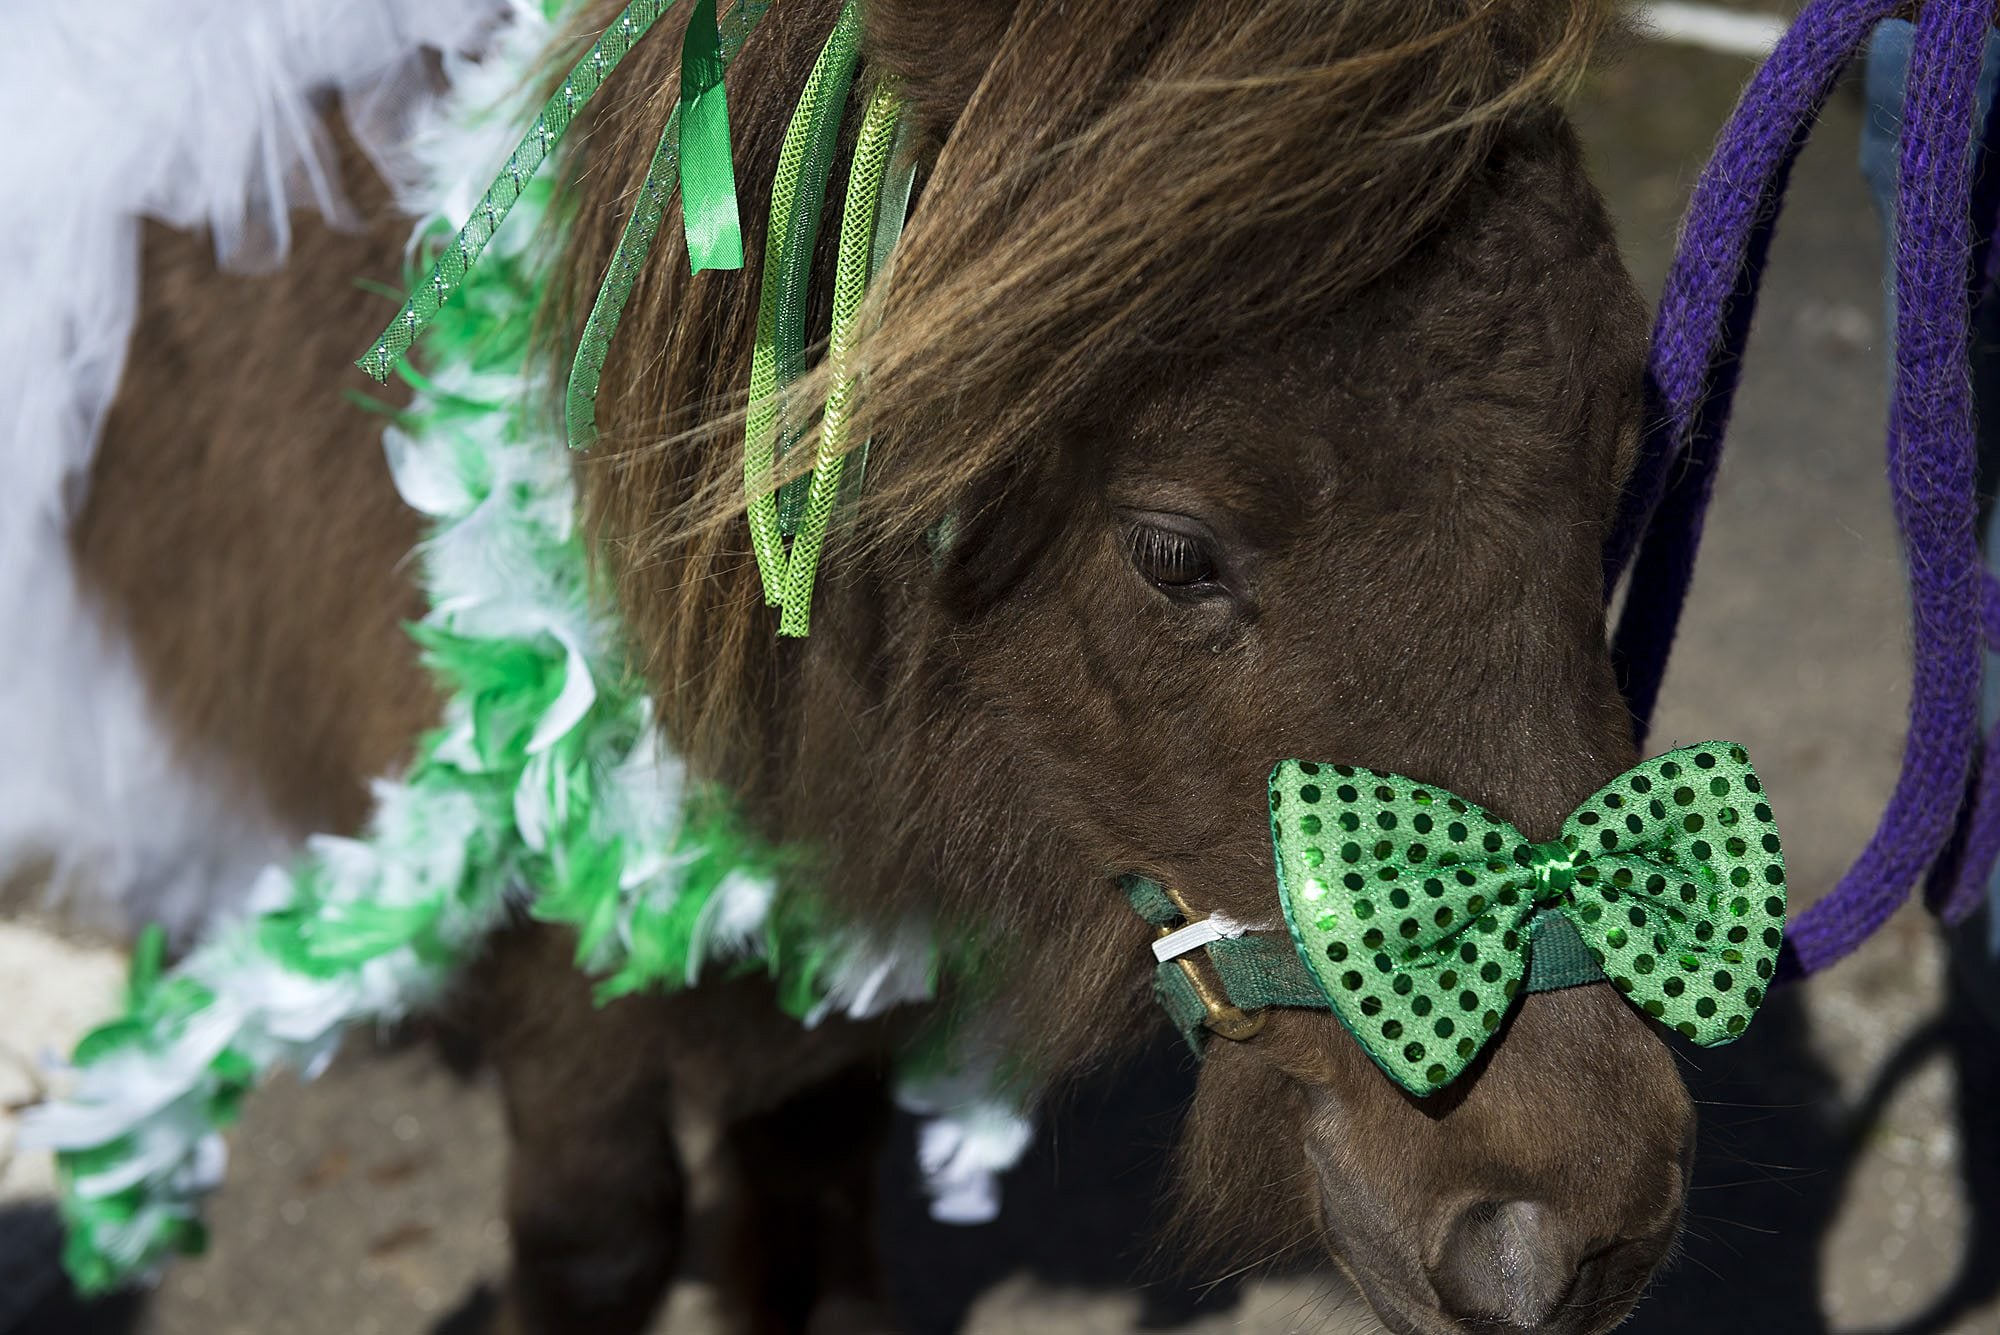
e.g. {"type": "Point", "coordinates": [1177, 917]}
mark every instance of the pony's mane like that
{"type": "Point", "coordinates": [1104, 183]}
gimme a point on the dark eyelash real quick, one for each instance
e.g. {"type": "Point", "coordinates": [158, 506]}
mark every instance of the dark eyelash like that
{"type": "Point", "coordinates": [1170, 559]}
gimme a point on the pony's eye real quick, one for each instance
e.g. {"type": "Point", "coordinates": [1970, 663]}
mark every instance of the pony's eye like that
{"type": "Point", "coordinates": [1169, 559]}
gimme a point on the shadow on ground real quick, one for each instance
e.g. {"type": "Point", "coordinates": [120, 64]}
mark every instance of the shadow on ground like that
{"type": "Point", "coordinates": [30, 1241]}
{"type": "Point", "coordinates": [1773, 1169]}
{"type": "Point", "coordinates": [1776, 1163]}
{"type": "Point", "coordinates": [1098, 1173]}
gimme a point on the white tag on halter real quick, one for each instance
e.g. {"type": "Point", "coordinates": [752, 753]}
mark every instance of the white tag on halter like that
{"type": "Point", "coordinates": [1215, 927]}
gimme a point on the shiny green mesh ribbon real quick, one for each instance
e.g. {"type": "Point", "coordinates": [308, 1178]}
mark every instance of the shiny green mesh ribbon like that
{"type": "Point", "coordinates": [798, 197]}
{"type": "Point", "coordinates": [799, 194]}
{"type": "Point", "coordinates": [877, 201]}
{"type": "Point", "coordinates": [851, 273]}
{"type": "Point", "coordinates": [1417, 911]}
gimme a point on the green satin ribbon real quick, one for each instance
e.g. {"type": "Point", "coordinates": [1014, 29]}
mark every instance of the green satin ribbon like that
{"type": "Point", "coordinates": [892, 215]}
{"type": "Point", "coordinates": [635, 247]}
{"type": "Point", "coordinates": [1418, 912]}
{"type": "Point", "coordinates": [708, 177]}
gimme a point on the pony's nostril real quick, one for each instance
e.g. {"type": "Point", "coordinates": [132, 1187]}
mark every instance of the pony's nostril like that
{"type": "Point", "coordinates": [1504, 1262]}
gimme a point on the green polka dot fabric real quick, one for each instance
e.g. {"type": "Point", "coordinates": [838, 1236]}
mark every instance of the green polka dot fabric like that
{"type": "Point", "coordinates": [1411, 906]}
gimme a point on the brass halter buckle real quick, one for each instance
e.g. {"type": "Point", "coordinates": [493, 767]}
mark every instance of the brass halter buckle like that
{"type": "Point", "coordinates": [1223, 1018]}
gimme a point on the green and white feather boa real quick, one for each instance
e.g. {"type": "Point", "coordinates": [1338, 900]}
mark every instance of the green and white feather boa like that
{"type": "Point", "coordinates": [545, 787]}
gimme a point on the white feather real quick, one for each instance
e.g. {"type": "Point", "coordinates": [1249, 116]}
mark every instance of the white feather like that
{"type": "Point", "coordinates": [871, 977]}
{"type": "Point", "coordinates": [728, 925]}
{"type": "Point", "coordinates": [973, 1131]}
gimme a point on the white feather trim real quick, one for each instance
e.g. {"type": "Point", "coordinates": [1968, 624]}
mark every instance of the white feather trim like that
{"type": "Point", "coordinates": [199, 112]}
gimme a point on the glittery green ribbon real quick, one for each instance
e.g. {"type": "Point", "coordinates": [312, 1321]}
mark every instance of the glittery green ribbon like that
{"type": "Point", "coordinates": [696, 138]}
{"type": "Point", "coordinates": [457, 259]}
{"type": "Point", "coordinates": [1418, 912]}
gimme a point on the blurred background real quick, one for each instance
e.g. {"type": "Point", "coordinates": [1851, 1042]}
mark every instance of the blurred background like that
{"type": "Point", "coordinates": [1849, 1178]}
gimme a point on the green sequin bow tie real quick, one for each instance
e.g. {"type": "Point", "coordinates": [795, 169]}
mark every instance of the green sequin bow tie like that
{"type": "Point", "coordinates": [1420, 915]}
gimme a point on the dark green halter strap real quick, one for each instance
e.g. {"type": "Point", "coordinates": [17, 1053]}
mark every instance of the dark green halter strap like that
{"type": "Point", "coordinates": [1258, 970]}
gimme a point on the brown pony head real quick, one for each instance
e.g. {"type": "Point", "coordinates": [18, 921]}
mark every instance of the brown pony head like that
{"type": "Point", "coordinates": [1256, 380]}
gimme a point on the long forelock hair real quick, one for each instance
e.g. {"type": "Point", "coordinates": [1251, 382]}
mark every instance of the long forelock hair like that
{"type": "Point", "coordinates": [1101, 184]}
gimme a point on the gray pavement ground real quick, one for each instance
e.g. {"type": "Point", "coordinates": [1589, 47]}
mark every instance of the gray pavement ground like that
{"type": "Point", "coordinates": [1847, 1181]}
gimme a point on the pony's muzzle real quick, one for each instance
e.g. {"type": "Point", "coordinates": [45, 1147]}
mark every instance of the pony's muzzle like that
{"type": "Point", "coordinates": [1537, 1197]}
{"type": "Point", "coordinates": [1512, 1264]}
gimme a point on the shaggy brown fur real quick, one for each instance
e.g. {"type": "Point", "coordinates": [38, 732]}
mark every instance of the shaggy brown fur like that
{"type": "Point", "coordinates": [1313, 289]}
{"type": "Point", "coordinates": [1065, 236]}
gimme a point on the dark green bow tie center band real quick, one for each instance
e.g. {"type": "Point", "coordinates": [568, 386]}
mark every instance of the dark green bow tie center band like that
{"type": "Point", "coordinates": [1421, 916]}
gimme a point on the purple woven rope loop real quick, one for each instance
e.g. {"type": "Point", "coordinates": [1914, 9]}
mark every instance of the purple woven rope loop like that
{"type": "Point", "coordinates": [1959, 890]}
{"type": "Point", "coordinates": [1932, 471]}
{"type": "Point", "coordinates": [1702, 325]}
{"type": "Point", "coordinates": [1734, 193]}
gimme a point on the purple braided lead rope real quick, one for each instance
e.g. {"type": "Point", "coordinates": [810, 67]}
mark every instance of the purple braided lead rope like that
{"type": "Point", "coordinates": [1933, 469]}
{"type": "Point", "coordinates": [1698, 340]}
{"type": "Point", "coordinates": [1702, 325]}
{"type": "Point", "coordinates": [1955, 892]}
